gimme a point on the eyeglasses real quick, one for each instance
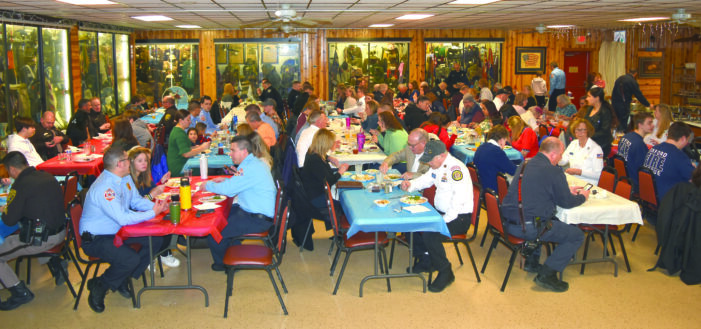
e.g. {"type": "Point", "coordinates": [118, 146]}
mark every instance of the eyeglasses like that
{"type": "Point", "coordinates": [582, 130]}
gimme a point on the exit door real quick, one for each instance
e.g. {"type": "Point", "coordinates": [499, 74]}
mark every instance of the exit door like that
{"type": "Point", "coordinates": [576, 68]}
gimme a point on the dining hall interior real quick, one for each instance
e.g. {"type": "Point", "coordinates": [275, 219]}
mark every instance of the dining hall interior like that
{"type": "Point", "coordinates": [56, 53]}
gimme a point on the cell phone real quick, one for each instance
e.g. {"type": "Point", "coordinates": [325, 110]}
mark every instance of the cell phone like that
{"type": "Point", "coordinates": [588, 186]}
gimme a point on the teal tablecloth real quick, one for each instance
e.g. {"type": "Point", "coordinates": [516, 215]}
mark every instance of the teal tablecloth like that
{"type": "Point", "coordinates": [152, 118]}
{"type": "Point", "coordinates": [213, 161]}
{"type": "Point", "coordinates": [465, 154]}
{"type": "Point", "coordinates": [365, 216]}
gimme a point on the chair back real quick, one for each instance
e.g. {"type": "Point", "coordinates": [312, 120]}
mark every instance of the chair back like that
{"type": "Point", "coordinates": [332, 209]}
{"type": "Point", "coordinates": [502, 186]}
{"type": "Point", "coordinates": [160, 134]}
{"type": "Point", "coordinates": [473, 172]}
{"type": "Point", "coordinates": [542, 131]}
{"type": "Point", "coordinates": [282, 233]}
{"type": "Point", "coordinates": [608, 178]}
{"type": "Point", "coordinates": [430, 194]}
{"type": "Point", "coordinates": [476, 201]}
{"type": "Point", "coordinates": [70, 188]}
{"type": "Point", "coordinates": [279, 198]}
{"type": "Point", "coordinates": [493, 212]}
{"type": "Point", "coordinates": [75, 211]}
{"type": "Point", "coordinates": [620, 164]}
{"type": "Point", "coordinates": [646, 181]}
{"type": "Point", "coordinates": [624, 188]}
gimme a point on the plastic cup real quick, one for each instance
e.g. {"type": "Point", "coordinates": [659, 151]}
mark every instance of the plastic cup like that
{"type": "Point", "coordinates": [175, 212]}
{"type": "Point", "coordinates": [187, 173]}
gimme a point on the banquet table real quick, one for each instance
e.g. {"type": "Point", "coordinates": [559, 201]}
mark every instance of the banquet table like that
{"type": "Point", "coordinates": [364, 216]}
{"type": "Point", "coordinates": [602, 208]}
{"type": "Point", "coordinates": [213, 161]}
{"type": "Point", "coordinates": [190, 225]}
{"type": "Point", "coordinates": [466, 153]}
{"type": "Point", "coordinates": [239, 112]}
{"type": "Point", "coordinates": [370, 153]}
{"type": "Point", "coordinates": [155, 117]}
{"type": "Point", "coordinates": [78, 162]}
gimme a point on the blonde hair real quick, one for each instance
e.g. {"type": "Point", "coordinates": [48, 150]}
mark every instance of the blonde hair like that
{"type": "Point", "coordinates": [564, 99]}
{"type": "Point", "coordinates": [530, 91]}
{"type": "Point", "coordinates": [665, 119]}
{"type": "Point", "coordinates": [141, 179]}
{"type": "Point", "coordinates": [228, 89]}
{"type": "Point", "coordinates": [517, 125]}
{"type": "Point", "coordinates": [260, 149]}
{"type": "Point", "coordinates": [322, 143]}
{"type": "Point", "coordinates": [244, 129]}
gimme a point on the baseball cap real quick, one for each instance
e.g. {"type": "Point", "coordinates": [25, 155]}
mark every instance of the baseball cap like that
{"type": "Point", "coordinates": [433, 148]}
{"type": "Point", "coordinates": [468, 97]}
{"type": "Point", "coordinates": [501, 91]}
{"type": "Point", "coordinates": [269, 102]}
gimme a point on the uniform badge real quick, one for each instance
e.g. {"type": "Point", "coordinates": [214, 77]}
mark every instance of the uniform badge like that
{"type": "Point", "coordinates": [167, 116]}
{"type": "Point", "coordinates": [599, 156]}
{"type": "Point", "coordinates": [109, 194]}
{"type": "Point", "coordinates": [11, 196]}
{"type": "Point", "coordinates": [457, 175]}
{"type": "Point", "coordinates": [128, 186]}
{"type": "Point", "coordinates": [444, 178]}
{"type": "Point", "coordinates": [433, 175]}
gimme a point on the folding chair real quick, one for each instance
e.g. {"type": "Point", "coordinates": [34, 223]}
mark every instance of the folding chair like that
{"type": "Point", "coordinates": [607, 179]}
{"type": "Point", "coordinates": [620, 164]}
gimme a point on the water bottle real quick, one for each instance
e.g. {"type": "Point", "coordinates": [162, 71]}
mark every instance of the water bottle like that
{"type": "Point", "coordinates": [185, 194]}
{"type": "Point", "coordinates": [234, 123]}
{"type": "Point", "coordinates": [361, 140]}
{"type": "Point", "coordinates": [68, 155]}
{"type": "Point", "coordinates": [203, 166]}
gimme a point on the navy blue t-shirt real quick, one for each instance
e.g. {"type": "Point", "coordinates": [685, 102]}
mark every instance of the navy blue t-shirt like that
{"type": "Point", "coordinates": [490, 160]}
{"type": "Point", "coordinates": [669, 165]}
{"type": "Point", "coordinates": [633, 149]}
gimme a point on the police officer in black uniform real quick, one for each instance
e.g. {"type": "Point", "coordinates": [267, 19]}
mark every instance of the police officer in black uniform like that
{"type": "Point", "coordinates": [169, 119]}
{"type": "Point", "coordinates": [80, 126]}
{"type": "Point", "coordinates": [47, 140]}
{"type": "Point", "coordinates": [270, 92]}
{"type": "Point", "coordinates": [47, 221]}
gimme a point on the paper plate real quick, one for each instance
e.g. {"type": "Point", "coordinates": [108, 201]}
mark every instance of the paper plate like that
{"type": "Point", "coordinates": [362, 177]}
{"type": "Point", "coordinates": [213, 198]}
{"type": "Point", "coordinates": [413, 199]}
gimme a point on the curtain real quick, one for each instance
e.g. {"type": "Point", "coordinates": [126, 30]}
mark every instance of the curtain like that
{"type": "Point", "coordinates": [612, 63]}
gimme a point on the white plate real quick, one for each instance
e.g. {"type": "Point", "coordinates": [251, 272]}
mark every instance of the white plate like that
{"type": "Point", "coordinates": [173, 183]}
{"type": "Point", "coordinates": [413, 199]}
{"type": "Point", "coordinates": [362, 177]}
{"type": "Point", "coordinates": [372, 171]}
{"type": "Point", "coordinates": [382, 203]}
{"type": "Point", "coordinates": [214, 198]}
{"type": "Point", "coordinates": [393, 176]}
{"type": "Point", "coordinates": [82, 159]}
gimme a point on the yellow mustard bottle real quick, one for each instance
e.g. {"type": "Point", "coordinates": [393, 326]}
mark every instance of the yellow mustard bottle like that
{"type": "Point", "coordinates": [185, 196]}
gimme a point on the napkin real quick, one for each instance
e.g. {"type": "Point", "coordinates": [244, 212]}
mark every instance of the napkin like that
{"type": "Point", "coordinates": [206, 206]}
{"type": "Point", "coordinates": [74, 149]}
{"type": "Point", "coordinates": [416, 209]}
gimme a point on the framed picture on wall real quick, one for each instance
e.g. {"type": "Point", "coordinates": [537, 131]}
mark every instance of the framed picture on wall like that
{"type": "Point", "coordinates": [650, 67]}
{"type": "Point", "coordinates": [269, 54]}
{"type": "Point", "coordinates": [220, 53]}
{"type": "Point", "coordinates": [236, 54]}
{"type": "Point", "coordinates": [530, 60]}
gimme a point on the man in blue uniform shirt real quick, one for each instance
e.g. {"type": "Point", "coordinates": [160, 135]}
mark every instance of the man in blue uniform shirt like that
{"type": "Point", "coordinates": [632, 147]}
{"type": "Point", "coordinates": [113, 201]}
{"type": "Point", "coordinates": [256, 191]}
{"type": "Point", "coordinates": [668, 162]}
{"type": "Point", "coordinates": [205, 116]}
{"type": "Point", "coordinates": [557, 85]}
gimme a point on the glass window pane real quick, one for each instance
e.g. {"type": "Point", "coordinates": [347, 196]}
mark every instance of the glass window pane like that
{"type": "Point", "coordinates": [22, 75]}
{"type": "Point", "coordinates": [4, 115]}
{"type": "Point", "coordinates": [476, 59]}
{"type": "Point", "coordinates": [56, 74]}
{"type": "Point", "coordinates": [106, 73]}
{"type": "Point", "coordinates": [123, 75]}
{"type": "Point", "coordinates": [88, 64]}
{"type": "Point", "coordinates": [171, 68]}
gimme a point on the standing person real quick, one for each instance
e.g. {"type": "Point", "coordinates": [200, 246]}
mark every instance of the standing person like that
{"type": "Point", "coordinates": [416, 114]}
{"type": "Point", "coordinates": [523, 138]}
{"type": "Point", "coordinates": [453, 200]}
{"type": "Point", "coordinates": [254, 186]}
{"type": "Point", "coordinates": [668, 162]}
{"type": "Point", "coordinates": [302, 99]}
{"type": "Point", "coordinates": [393, 137]}
{"type": "Point", "coordinates": [410, 155]}
{"type": "Point", "coordinates": [112, 202]}
{"type": "Point", "coordinates": [179, 145]}
{"type": "Point", "coordinates": [170, 118]}
{"type": "Point", "coordinates": [557, 85]}
{"type": "Point", "coordinates": [538, 190]}
{"type": "Point", "coordinates": [19, 141]}
{"type": "Point", "coordinates": [36, 195]}
{"type": "Point", "coordinates": [601, 116]}
{"type": "Point", "coordinates": [270, 92]}
{"type": "Point", "coordinates": [99, 120]}
{"type": "Point", "coordinates": [47, 140]}
{"type": "Point", "coordinates": [632, 147]}
{"type": "Point", "coordinates": [539, 89]}
{"type": "Point", "coordinates": [491, 159]}
{"type": "Point", "coordinates": [455, 76]}
{"type": "Point", "coordinates": [584, 156]}
{"type": "Point", "coordinates": [294, 93]}
{"type": "Point", "coordinates": [80, 127]}
{"type": "Point", "coordinates": [624, 89]}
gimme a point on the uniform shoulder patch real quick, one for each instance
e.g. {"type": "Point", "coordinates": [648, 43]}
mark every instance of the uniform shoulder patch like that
{"type": "Point", "coordinates": [109, 194]}
{"type": "Point", "coordinates": [11, 196]}
{"type": "Point", "coordinates": [457, 175]}
{"type": "Point", "coordinates": [453, 168]}
{"type": "Point", "coordinates": [167, 116]}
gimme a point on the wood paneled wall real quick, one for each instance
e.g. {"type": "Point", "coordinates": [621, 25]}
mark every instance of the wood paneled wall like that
{"type": "Point", "coordinates": [76, 76]}
{"type": "Point", "coordinates": [314, 56]}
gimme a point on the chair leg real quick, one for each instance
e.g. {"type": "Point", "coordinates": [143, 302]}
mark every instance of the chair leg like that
{"type": "Point", "coordinates": [508, 271]}
{"type": "Point", "coordinates": [586, 250]}
{"type": "Point", "coordinates": [229, 289]}
{"type": "Point", "coordinates": [29, 270]}
{"type": "Point", "coordinates": [84, 279]}
{"type": "Point", "coordinates": [613, 249]}
{"type": "Point", "coordinates": [623, 250]}
{"type": "Point", "coordinates": [340, 274]}
{"type": "Point", "coordinates": [64, 272]}
{"type": "Point", "coordinates": [489, 252]}
{"type": "Point", "coordinates": [472, 260]}
{"type": "Point", "coordinates": [484, 236]}
{"type": "Point", "coordinates": [130, 285]}
{"type": "Point", "coordinates": [160, 265]}
{"type": "Point", "coordinates": [18, 261]}
{"type": "Point", "coordinates": [335, 260]}
{"type": "Point", "coordinates": [277, 291]}
{"type": "Point", "coordinates": [455, 244]}
{"type": "Point", "coordinates": [636, 233]}
{"type": "Point", "coordinates": [306, 234]}
{"type": "Point", "coordinates": [279, 276]}
{"type": "Point", "coordinates": [333, 241]}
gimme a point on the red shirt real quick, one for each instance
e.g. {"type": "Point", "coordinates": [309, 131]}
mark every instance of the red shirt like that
{"type": "Point", "coordinates": [442, 134]}
{"type": "Point", "coordinates": [527, 141]}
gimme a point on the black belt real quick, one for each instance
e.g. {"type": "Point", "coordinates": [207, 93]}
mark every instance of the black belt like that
{"type": "Point", "coordinates": [88, 237]}
{"type": "Point", "coordinates": [56, 230]}
{"type": "Point", "coordinates": [261, 216]}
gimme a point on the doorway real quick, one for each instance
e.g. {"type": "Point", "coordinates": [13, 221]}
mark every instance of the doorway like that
{"type": "Point", "coordinates": [576, 68]}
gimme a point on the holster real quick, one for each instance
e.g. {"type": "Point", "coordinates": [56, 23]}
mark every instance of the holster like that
{"type": "Point", "coordinates": [33, 231]}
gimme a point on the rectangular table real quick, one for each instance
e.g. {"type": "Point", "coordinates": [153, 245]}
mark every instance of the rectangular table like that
{"type": "Point", "coordinates": [155, 117]}
{"type": "Point", "coordinates": [58, 167]}
{"type": "Point", "coordinates": [466, 153]}
{"type": "Point", "coordinates": [190, 225]}
{"type": "Point", "coordinates": [363, 215]}
{"type": "Point", "coordinates": [611, 210]}
{"type": "Point", "coordinates": [213, 161]}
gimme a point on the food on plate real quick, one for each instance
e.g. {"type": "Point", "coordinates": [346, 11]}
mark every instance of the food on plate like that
{"type": "Point", "coordinates": [173, 182]}
{"type": "Point", "coordinates": [213, 198]}
{"type": "Point", "coordinates": [362, 177]}
{"type": "Point", "coordinates": [393, 176]}
{"type": "Point", "coordinates": [372, 171]}
{"type": "Point", "coordinates": [413, 199]}
{"type": "Point", "coordinates": [382, 202]}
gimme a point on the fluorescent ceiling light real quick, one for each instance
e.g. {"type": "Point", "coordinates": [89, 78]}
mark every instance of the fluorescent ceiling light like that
{"type": "Point", "coordinates": [381, 25]}
{"type": "Point", "coordinates": [559, 26]}
{"type": "Point", "coordinates": [189, 26]}
{"type": "Point", "coordinates": [415, 16]}
{"type": "Point", "coordinates": [88, 2]}
{"type": "Point", "coordinates": [472, 2]}
{"type": "Point", "coordinates": [644, 19]}
{"type": "Point", "coordinates": [152, 18]}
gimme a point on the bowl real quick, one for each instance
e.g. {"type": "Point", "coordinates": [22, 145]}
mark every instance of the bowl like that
{"type": "Point", "coordinates": [382, 203]}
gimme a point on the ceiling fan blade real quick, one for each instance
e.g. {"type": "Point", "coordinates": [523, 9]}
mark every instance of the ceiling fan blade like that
{"type": "Point", "coordinates": [693, 38]}
{"type": "Point", "coordinates": [306, 22]}
{"type": "Point", "coordinates": [257, 24]}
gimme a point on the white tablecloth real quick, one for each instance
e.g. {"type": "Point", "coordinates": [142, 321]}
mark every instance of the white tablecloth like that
{"type": "Point", "coordinates": [611, 210]}
{"type": "Point", "coordinates": [370, 154]}
{"type": "Point", "coordinates": [240, 113]}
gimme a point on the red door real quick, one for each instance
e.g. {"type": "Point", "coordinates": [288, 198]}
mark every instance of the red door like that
{"type": "Point", "coordinates": [576, 68]}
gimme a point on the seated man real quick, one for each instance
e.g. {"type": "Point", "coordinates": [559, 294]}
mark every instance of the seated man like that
{"type": "Point", "coordinates": [255, 188]}
{"type": "Point", "coordinates": [263, 129]}
{"type": "Point", "coordinates": [316, 120]}
{"type": "Point", "coordinates": [490, 158]}
{"type": "Point", "coordinates": [113, 201]}
{"type": "Point", "coordinates": [19, 141]}
{"type": "Point", "coordinates": [632, 147]}
{"type": "Point", "coordinates": [35, 195]}
{"type": "Point", "coordinates": [542, 188]}
{"type": "Point", "coordinates": [668, 162]}
{"type": "Point", "coordinates": [48, 141]}
{"type": "Point", "coordinates": [409, 156]}
{"type": "Point", "coordinates": [269, 116]}
{"type": "Point", "coordinates": [453, 201]}
{"type": "Point", "coordinates": [205, 115]}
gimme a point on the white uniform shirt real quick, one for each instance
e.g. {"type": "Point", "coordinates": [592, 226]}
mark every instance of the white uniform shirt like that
{"type": "Point", "coordinates": [453, 188]}
{"type": "Point", "coordinates": [359, 107]}
{"type": "Point", "coordinates": [589, 158]}
{"type": "Point", "coordinates": [498, 103]}
{"type": "Point", "coordinates": [23, 145]}
{"type": "Point", "coordinates": [304, 142]}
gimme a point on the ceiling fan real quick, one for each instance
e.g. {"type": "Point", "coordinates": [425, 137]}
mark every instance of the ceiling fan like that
{"type": "Point", "coordinates": [683, 18]}
{"type": "Point", "coordinates": [285, 29]}
{"type": "Point", "coordinates": [286, 20]}
{"type": "Point", "coordinates": [540, 29]}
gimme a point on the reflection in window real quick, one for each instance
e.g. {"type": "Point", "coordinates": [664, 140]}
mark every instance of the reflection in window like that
{"type": "Point", "coordinates": [371, 62]}
{"type": "Point", "coordinates": [56, 74]}
{"type": "Point", "coordinates": [25, 91]}
{"type": "Point", "coordinates": [90, 78]}
{"type": "Point", "coordinates": [476, 59]}
{"type": "Point", "coordinates": [106, 71]}
{"type": "Point", "coordinates": [168, 68]}
{"type": "Point", "coordinates": [4, 114]}
{"type": "Point", "coordinates": [97, 63]}
{"type": "Point", "coordinates": [123, 72]}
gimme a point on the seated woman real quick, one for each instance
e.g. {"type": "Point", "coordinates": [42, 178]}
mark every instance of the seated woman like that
{"type": "Point", "coordinates": [179, 146]}
{"type": "Point", "coordinates": [492, 113]}
{"type": "Point", "coordinates": [351, 99]}
{"type": "Point", "coordinates": [394, 137]}
{"type": "Point", "coordinates": [520, 102]}
{"type": "Point", "coordinates": [140, 170]}
{"type": "Point", "coordinates": [564, 106]}
{"type": "Point", "coordinates": [414, 91]}
{"type": "Point", "coordinates": [585, 157]}
{"type": "Point", "coordinates": [230, 96]}
{"type": "Point", "coordinates": [437, 124]}
{"type": "Point", "coordinates": [523, 138]}
{"type": "Point", "coordinates": [359, 105]}
{"type": "Point", "coordinates": [663, 119]}
{"type": "Point", "coordinates": [491, 159]}
{"type": "Point", "coordinates": [368, 119]}
{"type": "Point", "coordinates": [123, 133]}
{"type": "Point", "coordinates": [260, 150]}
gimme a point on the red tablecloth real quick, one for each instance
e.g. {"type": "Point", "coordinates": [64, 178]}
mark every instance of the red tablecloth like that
{"type": "Point", "coordinates": [100, 144]}
{"type": "Point", "coordinates": [207, 224]}
{"type": "Point", "coordinates": [58, 167]}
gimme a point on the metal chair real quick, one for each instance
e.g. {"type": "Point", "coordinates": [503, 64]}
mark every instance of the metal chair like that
{"type": "Point", "coordinates": [647, 192]}
{"type": "Point", "coordinates": [502, 190]}
{"type": "Point", "coordinates": [70, 188]}
{"type": "Point", "coordinates": [620, 164]}
{"type": "Point", "coordinates": [607, 179]}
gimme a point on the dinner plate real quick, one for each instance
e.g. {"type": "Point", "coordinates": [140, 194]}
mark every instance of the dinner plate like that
{"type": "Point", "coordinates": [83, 159]}
{"type": "Point", "coordinates": [393, 176]}
{"type": "Point", "coordinates": [214, 198]}
{"type": "Point", "coordinates": [164, 196]}
{"type": "Point", "coordinates": [362, 177]}
{"type": "Point", "coordinates": [413, 199]}
{"type": "Point", "coordinates": [173, 183]}
{"type": "Point", "coordinates": [372, 171]}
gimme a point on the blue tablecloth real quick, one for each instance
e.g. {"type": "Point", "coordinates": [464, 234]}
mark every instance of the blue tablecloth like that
{"type": "Point", "coordinates": [465, 154]}
{"type": "Point", "coordinates": [338, 116]}
{"type": "Point", "coordinates": [365, 216]}
{"type": "Point", "coordinates": [153, 118]}
{"type": "Point", "coordinates": [213, 161]}
{"type": "Point", "coordinates": [4, 229]}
